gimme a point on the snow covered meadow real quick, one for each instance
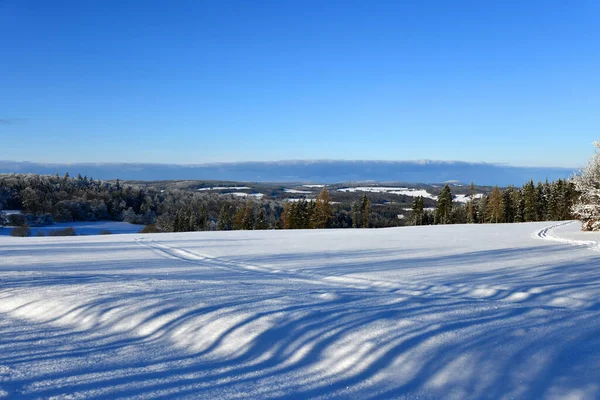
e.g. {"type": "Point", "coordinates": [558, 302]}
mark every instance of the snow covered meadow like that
{"type": "Point", "coordinates": [455, 311]}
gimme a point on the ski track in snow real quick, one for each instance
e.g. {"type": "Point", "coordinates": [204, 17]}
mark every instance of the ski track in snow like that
{"type": "Point", "coordinates": [424, 312]}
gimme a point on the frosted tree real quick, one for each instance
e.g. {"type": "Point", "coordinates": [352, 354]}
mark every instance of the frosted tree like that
{"type": "Point", "coordinates": [587, 183]}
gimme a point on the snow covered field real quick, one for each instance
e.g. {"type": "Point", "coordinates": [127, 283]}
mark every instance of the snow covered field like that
{"type": "Point", "coordinates": [444, 312]}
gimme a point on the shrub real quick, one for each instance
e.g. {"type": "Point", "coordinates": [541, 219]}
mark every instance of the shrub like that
{"type": "Point", "coordinates": [63, 232]}
{"type": "Point", "coordinates": [151, 228]}
{"type": "Point", "coordinates": [17, 220]}
{"type": "Point", "coordinates": [105, 232]}
{"type": "Point", "coordinates": [21, 231]}
{"type": "Point", "coordinates": [40, 233]}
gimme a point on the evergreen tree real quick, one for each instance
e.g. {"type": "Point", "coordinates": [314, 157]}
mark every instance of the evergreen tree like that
{"type": "Point", "coordinates": [508, 206]}
{"type": "Point", "coordinates": [444, 206]}
{"type": "Point", "coordinates": [225, 220]}
{"type": "Point", "coordinates": [365, 211]}
{"type": "Point", "coordinates": [519, 202]}
{"type": "Point", "coordinates": [542, 203]}
{"type": "Point", "coordinates": [356, 215]}
{"type": "Point", "coordinates": [482, 206]}
{"type": "Point", "coordinates": [530, 197]}
{"type": "Point", "coordinates": [458, 215]}
{"type": "Point", "coordinates": [261, 219]}
{"type": "Point", "coordinates": [417, 215]}
{"type": "Point", "coordinates": [554, 201]}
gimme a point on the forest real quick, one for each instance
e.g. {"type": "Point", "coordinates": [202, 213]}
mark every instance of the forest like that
{"type": "Point", "coordinates": [44, 199]}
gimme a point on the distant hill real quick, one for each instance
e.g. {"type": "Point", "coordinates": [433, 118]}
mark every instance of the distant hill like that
{"type": "Point", "coordinates": [306, 171]}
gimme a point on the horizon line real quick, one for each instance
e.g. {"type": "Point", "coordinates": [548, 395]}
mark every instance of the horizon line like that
{"type": "Point", "coordinates": [291, 161]}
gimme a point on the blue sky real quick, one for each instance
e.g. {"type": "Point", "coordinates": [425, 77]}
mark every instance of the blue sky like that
{"type": "Point", "coordinates": [192, 81]}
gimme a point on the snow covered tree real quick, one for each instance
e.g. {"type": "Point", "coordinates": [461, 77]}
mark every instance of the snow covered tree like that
{"type": "Point", "coordinates": [587, 183]}
{"type": "Point", "coordinates": [261, 219]}
{"type": "Point", "coordinates": [225, 220]}
{"type": "Point", "coordinates": [542, 202]}
{"type": "Point", "coordinates": [530, 197]}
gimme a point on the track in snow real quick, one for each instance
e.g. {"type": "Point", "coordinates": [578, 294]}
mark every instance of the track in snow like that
{"type": "Point", "coordinates": [394, 313]}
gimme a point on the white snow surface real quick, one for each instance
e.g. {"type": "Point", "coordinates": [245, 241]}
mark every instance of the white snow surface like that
{"type": "Point", "coordinates": [296, 191]}
{"type": "Point", "coordinates": [242, 194]}
{"type": "Point", "coordinates": [465, 198]}
{"type": "Point", "coordinates": [428, 312]}
{"type": "Point", "coordinates": [314, 186]}
{"type": "Point", "coordinates": [393, 190]}
{"type": "Point", "coordinates": [225, 188]}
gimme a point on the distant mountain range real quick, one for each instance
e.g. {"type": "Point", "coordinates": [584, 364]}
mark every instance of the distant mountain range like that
{"type": "Point", "coordinates": [322, 171]}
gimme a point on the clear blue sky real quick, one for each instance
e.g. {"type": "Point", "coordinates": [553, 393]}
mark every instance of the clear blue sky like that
{"type": "Point", "coordinates": [192, 81]}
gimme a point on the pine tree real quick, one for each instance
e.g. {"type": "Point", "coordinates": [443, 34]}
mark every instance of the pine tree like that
{"type": "Point", "coordinates": [191, 221]}
{"type": "Point", "coordinates": [519, 202]}
{"type": "Point", "coordinates": [365, 210]}
{"type": "Point", "coordinates": [356, 215]}
{"type": "Point", "coordinates": [542, 203]}
{"type": "Point", "coordinates": [554, 201]}
{"type": "Point", "coordinates": [531, 202]}
{"type": "Point", "coordinates": [471, 211]}
{"type": "Point", "coordinates": [444, 206]}
{"type": "Point", "coordinates": [417, 211]}
{"type": "Point", "coordinates": [508, 206]}
{"type": "Point", "coordinates": [482, 207]}
{"type": "Point", "coordinates": [261, 219]}
{"type": "Point", "coordinates": [225, 220]}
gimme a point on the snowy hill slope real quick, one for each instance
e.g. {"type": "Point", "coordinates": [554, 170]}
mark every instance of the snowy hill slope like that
{"type": "Point", "coordinates": [488, 311]}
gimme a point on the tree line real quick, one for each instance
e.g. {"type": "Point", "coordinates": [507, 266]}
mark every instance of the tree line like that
{"type": "Point", "coordinates": [45, 199]}
{"type": "Point", "coordinates": [547, 201]}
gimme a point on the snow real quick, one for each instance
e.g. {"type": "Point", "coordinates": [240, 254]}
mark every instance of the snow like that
{"type": "Point", "coordinates": [225, 188]}
{"type": "Point", "coordinates": [297, 200]}
{"type": "Point", "coordinates": [82, 228]}
{"type": "Point", "coordinates": [313, 186]}
{"type": "Point", "coordinates": [10, 212]}
{"type": "Point", "coordinates": [465, 198]}
{"type": "Point", "coordinates": [453, 312]}
{"type": "Point", "coordinates": [392, 190]}
{"type": "Point", "coordinates": [297, 191]}
{"type": "Point", "coordinates": [242, 194]}
{"type": "Point", "coordinates": [374, 189]}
